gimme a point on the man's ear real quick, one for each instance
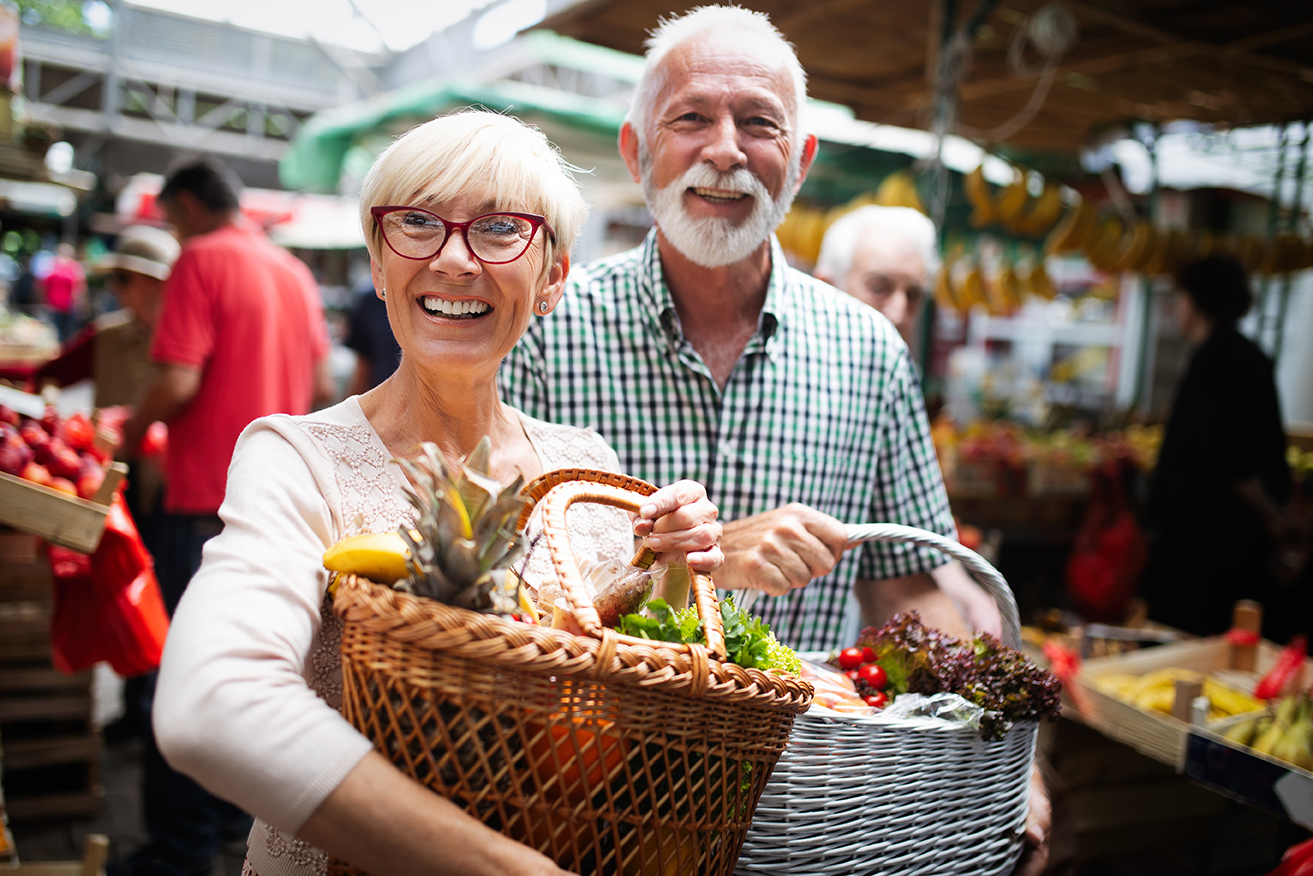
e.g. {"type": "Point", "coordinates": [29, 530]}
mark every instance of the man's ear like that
{"type": "Point", "coordinates": [629, 151]}
{"type": "Point", "coordinates": [809, 149]}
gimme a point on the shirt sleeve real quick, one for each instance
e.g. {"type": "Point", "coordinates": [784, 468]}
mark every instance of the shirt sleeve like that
{"type": "Point", "coordinates": [233, 708]}
{"type": "Point", "coordinates": [909, 487]}
{"type": "Point", "coordinates": [186, 331]}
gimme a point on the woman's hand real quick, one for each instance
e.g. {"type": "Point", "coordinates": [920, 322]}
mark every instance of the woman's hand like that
{"type": "Point", "coordinates": [681, 520]}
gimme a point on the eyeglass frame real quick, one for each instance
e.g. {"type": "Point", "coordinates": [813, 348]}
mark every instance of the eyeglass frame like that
{"type": "Point", "coordinates": [448, 226]}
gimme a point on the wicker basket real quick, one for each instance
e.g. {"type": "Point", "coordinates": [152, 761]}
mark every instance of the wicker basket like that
{"type": "Point", "coordinates": [608, 753]}
{"type": "Point", "coordinates": [858, 795]}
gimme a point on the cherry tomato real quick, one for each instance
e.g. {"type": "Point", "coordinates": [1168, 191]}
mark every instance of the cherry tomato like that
{"type": "Point", "coordinates": [850, 658]}
{"type": "Point", "coordinates": [868, 655]}
{"type": "Point", "coordinates": [874, 675]}
{"type": "Point", "coordinates": [854, 674]}
{"type": "Point", "coordinates": [877, 700]}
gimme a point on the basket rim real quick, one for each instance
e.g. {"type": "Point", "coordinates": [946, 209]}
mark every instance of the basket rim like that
{"type": "Point", "coordinates": [428, 625]}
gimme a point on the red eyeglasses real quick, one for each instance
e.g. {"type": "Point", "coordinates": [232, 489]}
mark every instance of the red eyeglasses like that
{"type": "Point", "coordinates": [493, 238]}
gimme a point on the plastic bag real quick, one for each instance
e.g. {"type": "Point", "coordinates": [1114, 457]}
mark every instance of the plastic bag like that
{"type": "Point", "coordinates": [107, 604]}
{"type": "Point", "coordinates": [1109, 552]}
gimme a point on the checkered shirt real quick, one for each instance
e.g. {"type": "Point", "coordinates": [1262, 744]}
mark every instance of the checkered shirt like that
{"type": "Point", "coordinates": [823, 408]}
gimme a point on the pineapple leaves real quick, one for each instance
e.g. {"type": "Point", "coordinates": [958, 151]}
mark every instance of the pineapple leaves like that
{"type": "Point", "coordinates": [464, 535]}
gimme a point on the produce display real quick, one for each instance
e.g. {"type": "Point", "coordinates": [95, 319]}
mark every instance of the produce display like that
{"type": "Point", "coordinates": [54, 452]}
{"type": "Point", "coordinates": [1156, 691]}
{"type": "Point", "coordinates": [905, 656]}
{"type": "Point", "coordinates": [1284, 731]}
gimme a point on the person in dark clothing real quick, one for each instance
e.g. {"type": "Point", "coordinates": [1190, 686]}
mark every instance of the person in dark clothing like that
{"type": "Point", "coordinates": [1217, 507]}
{"type": "Point", "coordinates": [370, 337]}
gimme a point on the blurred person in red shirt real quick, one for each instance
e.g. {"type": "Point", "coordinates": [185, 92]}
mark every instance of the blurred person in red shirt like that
{"type": "Point", "coordinates": [65, 287]}
{"type": "Point", "coordinates": [241, 335]}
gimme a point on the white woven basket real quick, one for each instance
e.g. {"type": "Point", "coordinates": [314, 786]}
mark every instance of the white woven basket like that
{"type": "Point", "coordinates": [858, 796]}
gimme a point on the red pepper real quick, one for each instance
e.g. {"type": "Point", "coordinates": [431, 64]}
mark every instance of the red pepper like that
{"type": "Point", "coordinates": [1284, 670]}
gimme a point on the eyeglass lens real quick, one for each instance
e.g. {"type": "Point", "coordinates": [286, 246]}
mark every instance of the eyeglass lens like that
{"type": "Point", "coordinates": [497, 237]}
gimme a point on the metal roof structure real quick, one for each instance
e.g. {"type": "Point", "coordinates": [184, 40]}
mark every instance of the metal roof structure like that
{"type": "Point", "coordinates": [1223, 63]}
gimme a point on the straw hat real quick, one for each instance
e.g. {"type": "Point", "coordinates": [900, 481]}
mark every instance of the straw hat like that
{"type": "Point", "coordinates": [143, 249]}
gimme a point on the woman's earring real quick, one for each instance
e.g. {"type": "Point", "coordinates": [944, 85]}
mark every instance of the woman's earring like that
{"type": "Point", "coordinates": [543, 307]}
{"type": "Point", "coordinates": [384, 294]}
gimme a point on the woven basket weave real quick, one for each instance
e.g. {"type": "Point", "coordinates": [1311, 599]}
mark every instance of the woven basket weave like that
{"type": "Point", "coordinates": [608, 753]}
{"type": "Point", "coordinates": [859, 795]}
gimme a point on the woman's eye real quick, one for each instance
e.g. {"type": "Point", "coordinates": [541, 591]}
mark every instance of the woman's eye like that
{"type": "Point", "coordinates": [419, 220]}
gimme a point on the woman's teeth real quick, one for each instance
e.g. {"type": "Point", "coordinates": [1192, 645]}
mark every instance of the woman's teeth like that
{"type": "Point", "coordinates": [719, 194]}
{"type": "Point", "coordinates": [455, 309]}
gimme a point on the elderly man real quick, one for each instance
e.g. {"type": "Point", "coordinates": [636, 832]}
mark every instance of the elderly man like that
{"type": "Point", "coordinates": [886, 257]}
{"type": "Point", "coordinates": [701, 354]}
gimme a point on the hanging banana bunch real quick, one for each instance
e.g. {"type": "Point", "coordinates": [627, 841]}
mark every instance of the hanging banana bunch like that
{"type": "Point", "coordinates": [898, 189]}
{"type": "Point", "coordinates": [1074, 232]}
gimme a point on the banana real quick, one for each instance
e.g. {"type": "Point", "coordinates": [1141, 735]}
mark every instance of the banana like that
{"type": "Point", "coordinates": [973, 290]}
{"type": "Point", "coordinates": [1007, 291]}
{"type": "Point", "coordinates": [1073, 232]}
{"type": "Point", "coordinates": [1229, 701]}
{"type": "Point", "coordinates": [982, 202]}
{"type": "Point", "coordinates": [787, 230]}
{"type": "Point", "coordinates": [898, 189]}
{"type": "Point", "coordinates": [1134, 248]}
{"type": "Point", "coordinates": [379, 557]}
{"type": "Point", "coordinates": [945, 295]}
{"type": "Point", "coordinates": [1045, 211]}
{"type": "Point", "coordinates": [1012, 201]}
{"type": "Point", "coordinates": [1104, 243]}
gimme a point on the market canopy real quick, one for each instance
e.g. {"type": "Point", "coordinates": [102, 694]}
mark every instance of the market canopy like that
{"type": "Point", "coordinates": [1225, 63]}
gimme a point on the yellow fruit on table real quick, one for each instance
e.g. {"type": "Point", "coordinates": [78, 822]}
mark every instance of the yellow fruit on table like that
{"type": "Point", "coordinates": [380, 557]}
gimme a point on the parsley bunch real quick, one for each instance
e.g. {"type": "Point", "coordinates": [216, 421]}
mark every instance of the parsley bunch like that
{"type": "Point", "coordinates": [748, 640]}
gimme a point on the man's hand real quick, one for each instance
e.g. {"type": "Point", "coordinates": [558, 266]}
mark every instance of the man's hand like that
{"type": "Point", "coordinates": [169, 390]}
{"type": "Point", "coordinates": [1038, 821]}
{"type": "Point", "coordinates": [977, 607]}
{"type": "Point", "coordinates": [780, 550]}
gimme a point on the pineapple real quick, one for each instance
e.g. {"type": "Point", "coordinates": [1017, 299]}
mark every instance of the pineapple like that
{"type": "Point", "coordinates": [464, 540]}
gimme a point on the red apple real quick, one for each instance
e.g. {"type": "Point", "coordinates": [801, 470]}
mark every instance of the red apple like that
{"type": "Point", "coordinates": [33, 435]}
{"type": "Point", "coordinates": [64, 485]}
{"type": "Point", "coordinates": [89, 482]}
{"type": "Point", "coordinates": [9, 416]}
{"type": "Point", "coordinates": [64, 462]}
{"type": "Point", "coordinates": [78, 432]}
{"type": "Point", "coordinates": [36, 473]}
{"type": "Point", "coordinates": [12, 459]}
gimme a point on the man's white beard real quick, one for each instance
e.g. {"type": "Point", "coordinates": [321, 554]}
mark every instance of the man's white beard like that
{"type": "Point", "coordinates": [710, 241]}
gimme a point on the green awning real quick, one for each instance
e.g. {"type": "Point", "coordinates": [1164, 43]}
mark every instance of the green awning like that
{"type": "Point", "coordinates": [315, 160]}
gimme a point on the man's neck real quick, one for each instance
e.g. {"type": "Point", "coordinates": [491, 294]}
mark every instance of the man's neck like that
{"type": "Point", "coordinates": [719, 308]}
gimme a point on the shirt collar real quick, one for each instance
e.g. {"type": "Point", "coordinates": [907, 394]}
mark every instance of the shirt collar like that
{"type": "Point", "coordinates": [660, 306]}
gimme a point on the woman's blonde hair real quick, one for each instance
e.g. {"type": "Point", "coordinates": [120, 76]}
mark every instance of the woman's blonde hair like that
{"type": "Point", "coordinates": [483, 157]}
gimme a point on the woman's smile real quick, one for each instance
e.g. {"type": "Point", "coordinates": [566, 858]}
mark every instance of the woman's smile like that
{"type": "Point", "coordinates": [468, 308]}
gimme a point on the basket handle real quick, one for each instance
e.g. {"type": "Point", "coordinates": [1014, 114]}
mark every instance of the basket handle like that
{"type": "Point", "coordinates": [985, 574]}
{"type": "Point", "coordinates": [556, 502]}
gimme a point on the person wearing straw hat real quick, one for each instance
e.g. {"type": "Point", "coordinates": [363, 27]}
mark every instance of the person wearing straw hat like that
{"type": "Point", "coordinates": [469, 220]}
{"type": "Point", "coordinates": [114, 350]}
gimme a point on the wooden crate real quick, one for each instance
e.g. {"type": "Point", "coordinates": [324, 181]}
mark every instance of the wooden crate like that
{"type": "Point", "coordinates": [1160, 736]}
{"type": "Point", "coordinates": [57, 517]}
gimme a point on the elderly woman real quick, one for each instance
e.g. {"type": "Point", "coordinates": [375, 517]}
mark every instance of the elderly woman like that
{"type": "Point", "coordinates": [469, 220]}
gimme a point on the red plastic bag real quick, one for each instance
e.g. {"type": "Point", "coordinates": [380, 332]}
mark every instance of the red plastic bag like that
{"type": "Point", "coordinates": [108, 604]}
{"type": "Point", "coordinates": [1109, 552]}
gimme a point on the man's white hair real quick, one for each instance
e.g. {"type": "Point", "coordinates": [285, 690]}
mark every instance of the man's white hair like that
{"type": "Point", "coordinates": [726, 22]}
{"type": "Point", "coordinates": [840, 242]}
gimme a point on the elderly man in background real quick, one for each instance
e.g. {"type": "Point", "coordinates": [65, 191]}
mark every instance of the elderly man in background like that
{"type": "Point", "coordinates": [887, 257]}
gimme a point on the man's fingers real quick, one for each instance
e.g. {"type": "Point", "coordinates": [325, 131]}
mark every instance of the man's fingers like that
{"type": "Point", "coordinates": [699, 537]}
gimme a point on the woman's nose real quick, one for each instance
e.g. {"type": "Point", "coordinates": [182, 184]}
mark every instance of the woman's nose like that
{"type": "Point", "coordinates": [455, 256]}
